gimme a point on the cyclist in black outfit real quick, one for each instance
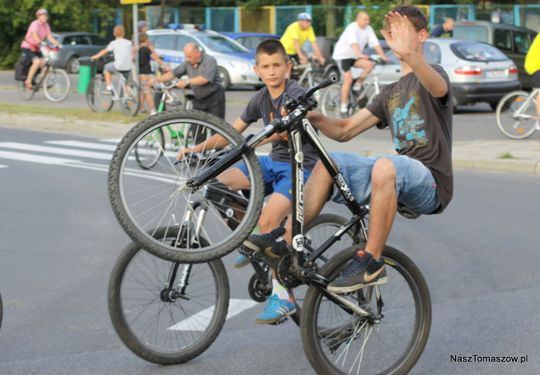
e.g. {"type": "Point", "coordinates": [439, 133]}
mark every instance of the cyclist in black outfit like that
{"type": "Point", "coordinates": [146, 78]}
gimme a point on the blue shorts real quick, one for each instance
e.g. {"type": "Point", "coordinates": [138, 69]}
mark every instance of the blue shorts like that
{"type": "Point", "coordinates": [276, 174]}
{"type": "Point", "coordinates": [415, 186]}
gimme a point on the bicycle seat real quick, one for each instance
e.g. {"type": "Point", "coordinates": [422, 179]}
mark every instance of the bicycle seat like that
{"type": "Point", "coordinates": [407, 212]}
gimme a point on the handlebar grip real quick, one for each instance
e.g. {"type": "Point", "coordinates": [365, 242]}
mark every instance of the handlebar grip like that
{"type": "Point", "coordinates": [327, 82]}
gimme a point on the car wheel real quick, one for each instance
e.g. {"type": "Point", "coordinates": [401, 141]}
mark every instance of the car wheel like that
{"type": "Point", "coordinates": [224, 78]}
{"type": "Point", "coordinates": [455, 104]}
{"type": "Point", "coordinates": [73, 65]}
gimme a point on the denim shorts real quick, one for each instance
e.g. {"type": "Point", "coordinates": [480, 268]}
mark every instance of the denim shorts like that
{"type": "Point", "coordinates": [415, 186]}
{"type": "Point", "coordinates": [277, 176]}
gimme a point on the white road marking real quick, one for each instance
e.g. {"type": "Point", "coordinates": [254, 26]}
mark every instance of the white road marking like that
{"type": "Point", "coordinates": [196, 322]}
{"type": "Point", "coordinates": [55, 150]}
{"type": "Point", "coordinates": [3, 166]}
{"type": "Point", "coordinates": [89, 145]}
{"type": "Point", "coordinates": [110, 140]}
{"type": "Point", "coordinates": [35, 158]}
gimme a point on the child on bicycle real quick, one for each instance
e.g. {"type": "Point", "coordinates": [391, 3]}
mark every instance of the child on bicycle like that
{"type": "Point", "coordinates": [418, 111]}
{"type": "Point", "coordinates": [272, 66]}
{"type": "Point", "coordinates": [122, 50]}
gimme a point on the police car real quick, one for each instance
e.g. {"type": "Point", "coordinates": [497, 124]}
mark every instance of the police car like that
{"type": "Point", "coordinates": [235, 62]}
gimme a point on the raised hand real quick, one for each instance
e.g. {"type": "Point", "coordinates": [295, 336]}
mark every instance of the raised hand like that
{"type": "Point", "coordinates": [401, 35]}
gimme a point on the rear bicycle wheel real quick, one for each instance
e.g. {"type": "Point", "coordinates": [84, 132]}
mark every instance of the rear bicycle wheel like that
{"type": "Point", "coordinates": [516, 125]}
{"type": "Point", "coordinates": [389, 341]}
{"type": "Point", "coordinates": [150, 149]}
{"type": "Point", "coordinates": [97, 96]}
{"type": "Point", "coordinates": [130, 99]}
{"type": "Point", "coordinates": [316, 234]}
{"type": "Point", "coordinates": [167, 321]}
{"type": "Point", "coordinates": [331, 101]}
{"type": "Point", "coordinates": [145, 201]}
{"type": "Point", "coordinates": [56, 85]}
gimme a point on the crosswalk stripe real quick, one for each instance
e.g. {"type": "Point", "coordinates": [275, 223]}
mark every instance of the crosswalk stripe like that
{"type": "Point", "coordinates": [89, 145]}
{"type": "Point", "coordinates": [34, 158]}
{"type": "Point", "coordinates": [110, 140]}
{"type": "Point", "coordinates": [55, 150]}
{"type": "Point", "coordinates": [3, 166]}
{"type": "Point", "coordinates": [196, 322]}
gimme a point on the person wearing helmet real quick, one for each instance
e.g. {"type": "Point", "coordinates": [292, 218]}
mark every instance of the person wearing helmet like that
{"type": "Point", "coordinates": [38, 31]}
{"type": "Point", "coordinates": [296, 35]}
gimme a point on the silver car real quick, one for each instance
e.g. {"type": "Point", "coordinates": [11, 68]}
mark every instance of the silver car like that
{"type": "Point", "coordinates": [235, 62]}
{"type": "Point", "coordinates": [478, 72]}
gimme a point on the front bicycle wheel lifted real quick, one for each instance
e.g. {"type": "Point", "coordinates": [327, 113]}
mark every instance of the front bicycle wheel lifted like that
{"type": "Point", "coordinates": [147, 200]}
{"type": "Point", "coordinates": [389, 340]}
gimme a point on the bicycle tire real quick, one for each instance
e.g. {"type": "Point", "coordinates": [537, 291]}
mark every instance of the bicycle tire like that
{"type": "Point", "coordinates": [147, 155]}
{"type": "Point", "coordinates": [510, 126]}
{"type": "Point", "coordinates": [325, 220]}
{"type": "Point", "coordinates": [397, 264]}
{"type": "Point", "coordinates": [56, 85]}
{"type": "Point", "coordinates": [23, 92]}
{"type": "Point", "coordinates": [96, 98]}
{"type": "Point", "coordinates": [140, 214]}
{"type": "Point", "coordinates": [331, 101]}
{"type": "Point", "coordinates": [130, 99]}
{"type": "Point", "coordinates": [171, 320]}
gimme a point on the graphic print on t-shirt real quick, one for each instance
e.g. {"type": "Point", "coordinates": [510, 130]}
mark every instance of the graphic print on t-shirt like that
{"type": "Point", "coordinates": [408, 125]}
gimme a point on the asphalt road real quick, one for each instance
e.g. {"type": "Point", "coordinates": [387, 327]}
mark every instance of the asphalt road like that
{"type": "Point", "coordinates": [475, 122]}
{"type": "Point", "coordinates": [60, 240]}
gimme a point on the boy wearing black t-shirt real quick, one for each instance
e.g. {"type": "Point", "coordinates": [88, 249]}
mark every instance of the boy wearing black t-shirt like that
{"type": "Point", "coordinates": [418, 111]}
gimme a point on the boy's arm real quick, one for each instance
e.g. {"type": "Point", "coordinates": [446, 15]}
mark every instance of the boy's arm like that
{"type": "Point", "coordinates": [101, 53]}
{"type": "Point", "coordinates": [343, 130]}
{"type": "Point", "coordinates": [214, 142]}
{"type": "Point", "coordinates": [404, 40]}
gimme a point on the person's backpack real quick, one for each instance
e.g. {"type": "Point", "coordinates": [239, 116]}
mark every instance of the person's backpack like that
{"type": "Point", "coordinates": [22, 67]}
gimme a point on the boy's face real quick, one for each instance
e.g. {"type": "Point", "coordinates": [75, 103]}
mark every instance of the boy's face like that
{"type": "Point", "coordinates": [421, 35]}
{"type": "Point", "coordinates": [272, 69]}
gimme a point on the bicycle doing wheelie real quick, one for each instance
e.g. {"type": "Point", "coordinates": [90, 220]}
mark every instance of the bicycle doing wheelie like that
{"type": "Point", "coordinates": [54, 82]}
{"type": "Point", "coordinates": [379, 329]}
{"type": "Point", "coordinates": [516, 113]}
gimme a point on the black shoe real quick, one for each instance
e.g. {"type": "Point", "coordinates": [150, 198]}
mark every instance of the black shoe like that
{"type": "Point", "coordinates": [267, 244]}
{"type": "Point", "coordinates": [363, 271]}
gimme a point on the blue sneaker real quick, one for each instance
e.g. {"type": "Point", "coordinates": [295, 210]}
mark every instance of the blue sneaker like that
{"type": "Point", "coordinates": [275, 310]}
{"type": "Point", "coordinates": [241, 261]}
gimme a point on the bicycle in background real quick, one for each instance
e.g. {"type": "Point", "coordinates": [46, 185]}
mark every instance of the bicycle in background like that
{"type": "Point", "coordinates": [360, 95]}
{"type": "Point", "coordinates": [124, 90]}
{"type": "Point", "coordinates": [516, 114]}
{"type": "Point", "coordinates": [54, 82]}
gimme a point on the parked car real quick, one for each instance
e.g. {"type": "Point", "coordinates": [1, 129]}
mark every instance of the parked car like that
{"type": "Point", "coordinates": [75, 45]}
{"type": "Point", "coordinates": [248, 39]}
{"type": "Point", "coordinates": [235, 62]}
{"type": "Point", "coordinates": [513, 41]}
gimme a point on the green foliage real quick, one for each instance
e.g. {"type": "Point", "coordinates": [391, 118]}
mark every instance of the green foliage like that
{"type": "Point", "coordinates": [64, 15]}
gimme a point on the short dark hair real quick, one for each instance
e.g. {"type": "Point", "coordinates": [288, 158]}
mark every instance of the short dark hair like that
{"type": "Point", "coordinates": [415, 15]}
{"type": "Point", "coordinates": [270, 47]}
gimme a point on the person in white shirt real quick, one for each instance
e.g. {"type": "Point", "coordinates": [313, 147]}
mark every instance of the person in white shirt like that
{"type": "Point", "coordinates": [348, 52]}
{"type": "Point", "coordinates": [123, 52]}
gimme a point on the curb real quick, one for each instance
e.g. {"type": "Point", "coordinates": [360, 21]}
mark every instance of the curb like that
{"type": "Point", "coordinates": [512, 166]}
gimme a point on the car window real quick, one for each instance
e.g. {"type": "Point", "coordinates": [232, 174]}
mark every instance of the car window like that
{"type": "Point", "coordinates": [183, 40]}
{"type": "Point", "coordinates": [522, 42]}
{"type": "Point", "coordinates": [250, 42]}
{"type": "Point", "coordinates": [220, 44]}
{"type": "Point", "coordinates": [164, 41]}
{"type": "Point", "coordinates": [480, 52]}
{"type": "Point", "coordinates": [471, 33]}
{"type": "Point", "coordinates": [75, 40]}
{"type": "Point", "coordinates": [97, 40]}
{"type": "Point", "coordinates": [432, 53]}
{"type": "Point", "coordinates": [503, 39]}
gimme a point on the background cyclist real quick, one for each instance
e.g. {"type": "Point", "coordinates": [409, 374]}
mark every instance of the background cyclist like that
{"type": "Point", "coordinates": [296, 34]}
{"type": "Point", "coordinates": [532, 66]}
{"type": "Point", "coordinates": [38, 31]}
{"type": "Point", "coordinates": [348, 52]}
